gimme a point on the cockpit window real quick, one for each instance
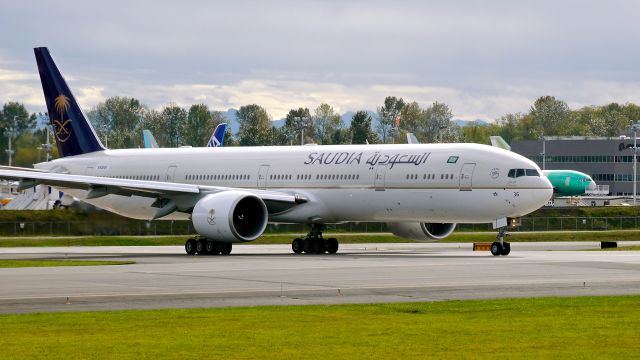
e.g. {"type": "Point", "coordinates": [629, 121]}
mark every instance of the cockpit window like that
{"type": "Point", "coordinates": [514, 173]}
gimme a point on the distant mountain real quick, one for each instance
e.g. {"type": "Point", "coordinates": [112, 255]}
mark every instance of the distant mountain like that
{"type": "Point", "coordinates": [232, 120]}
{"type": "Point", "coordinates": [463, 123]}
{"type": "Point", "coordinates": [346, 118]}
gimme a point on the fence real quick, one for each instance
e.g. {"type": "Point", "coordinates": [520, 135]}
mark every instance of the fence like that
{"type": "Point", "coordinates": [136, 227]}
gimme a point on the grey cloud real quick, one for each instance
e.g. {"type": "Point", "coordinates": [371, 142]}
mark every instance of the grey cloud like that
{"type": "Point", "coordinates": [477, 48]}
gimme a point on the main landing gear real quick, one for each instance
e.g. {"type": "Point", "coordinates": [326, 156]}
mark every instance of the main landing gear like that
{"type": "Point", "coordinates": [204, 246]}
{"type": "Point", "coordinates": [501, 247]}
{"type": "Point", "coordinates": [314, 243]}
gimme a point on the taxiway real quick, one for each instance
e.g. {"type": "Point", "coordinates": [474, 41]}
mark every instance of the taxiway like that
{"type": "Point", "coordinates": [164, 277]}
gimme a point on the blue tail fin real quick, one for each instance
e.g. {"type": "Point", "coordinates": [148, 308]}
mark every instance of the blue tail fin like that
{"type": "Point", "coordinates": [73, 132]}
{"type": "Point", "coordinates": [149, 141]}
{"type": "Point", "coordinates": [217, 139]}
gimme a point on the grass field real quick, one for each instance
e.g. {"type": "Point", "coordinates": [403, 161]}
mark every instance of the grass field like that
{"type": "Point", "coordinates": [565, 328]}
{"type": "Point", "coordinates": [42, 263]}
{"type": "Point", "coordinates": [345, 238]}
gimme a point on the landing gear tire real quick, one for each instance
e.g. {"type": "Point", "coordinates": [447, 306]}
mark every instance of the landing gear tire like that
{"type": "Point", "coordinates": [217, 248]}
{"type": "Point", "coordinates": [306, 246]}
{"type": "Point", "coordinates": [317, 246]}
{"type": "Point", "coordinates": [296, 245]}
{"type": "Point", "coordinates": [225, 248]}
{"type": "Point", "coordinates": [332, 245]}
{"type": "Point", "coordinates": [506, 249]}
{"type": "Point", "coordinates": [190, 246]}
{"type": "Point", "coordinates": [496, 248]}
{"type": "Point", "coordinates": [209, 248]}
{"type": "Point", "coordinates": [201, 247]}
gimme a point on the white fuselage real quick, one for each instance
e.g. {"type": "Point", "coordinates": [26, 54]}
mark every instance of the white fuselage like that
{"type": "Point", "coordinates": [389, 183]}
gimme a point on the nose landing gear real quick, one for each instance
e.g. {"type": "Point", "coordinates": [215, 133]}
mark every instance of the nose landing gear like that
{"type": "Point", "coordinates": [501, 247]}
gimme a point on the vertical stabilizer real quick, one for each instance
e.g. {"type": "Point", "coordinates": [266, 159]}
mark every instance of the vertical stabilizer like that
{"type": "Point", "coordinates": [498, 141]}
{"type": "Point", "coordinates": [149, 141]}
{"type": "Point", "coordinates": [73, 132]}
{"type": "Point", "coordinates": [217, 139]}
{"type": "Point", "coordinates": [411, 139]}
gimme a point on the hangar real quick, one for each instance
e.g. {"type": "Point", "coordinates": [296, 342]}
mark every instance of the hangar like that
{"type": "Point", "coordinates": [608, 160]}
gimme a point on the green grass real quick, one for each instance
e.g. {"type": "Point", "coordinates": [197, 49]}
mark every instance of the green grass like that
{"type": "Point", "coordinates": [44, 263]}
{"type": "Point", "coordinates": [93, 241]}
{"type": "Point", "coordinates": [563, 328]}
{"type": "Point", "coordinates": [345, 238]}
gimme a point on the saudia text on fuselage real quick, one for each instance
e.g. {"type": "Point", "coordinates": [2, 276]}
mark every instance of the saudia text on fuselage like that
{"type": "Point", "coordinates": [375, 159]}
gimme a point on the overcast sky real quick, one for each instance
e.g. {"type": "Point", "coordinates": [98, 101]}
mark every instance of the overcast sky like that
{"type": "Point", "coordinates": [482, 58]}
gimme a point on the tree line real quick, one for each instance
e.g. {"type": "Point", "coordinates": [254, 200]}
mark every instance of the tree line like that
{"type": "Point", "coordinates": [119, 122]}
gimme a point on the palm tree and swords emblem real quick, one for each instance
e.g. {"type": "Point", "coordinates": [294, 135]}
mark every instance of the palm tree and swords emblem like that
{"type": "Point", "coordinates": [62, 132]}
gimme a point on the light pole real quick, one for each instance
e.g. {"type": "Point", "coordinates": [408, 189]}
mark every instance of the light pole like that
{"type": "Point", "coordinates": [10, 134]}
{"type": "Point", "coordinates": [47, 146]}
{"type": "Point", "coordinates": [635, 127]}
{"type": "Point", "coordinates": [302, 123]}
{"type": "Point", "coordinates": [440, 128]}
{"type": "Point", "coordinates": [544, 152]}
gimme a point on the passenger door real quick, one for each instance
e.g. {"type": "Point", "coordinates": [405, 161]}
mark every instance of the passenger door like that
{"type": "Point", "coordinates": [466, 176]}
{"type": "Point", "coordinates": [262, 176]}
{"type": "Point", "coordinates": [380, 177]}
{"type": "Point", "coordinates": [171, 173]}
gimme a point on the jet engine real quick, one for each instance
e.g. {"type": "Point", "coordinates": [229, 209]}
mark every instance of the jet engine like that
{"type": "Point", "coordinates": [230, 216]}
{"type": "Point", "coordinates": [422, 231]}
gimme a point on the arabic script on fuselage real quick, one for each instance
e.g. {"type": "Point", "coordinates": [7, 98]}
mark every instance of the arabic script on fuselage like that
{"type": "Point", "coordinates": [373, 160]}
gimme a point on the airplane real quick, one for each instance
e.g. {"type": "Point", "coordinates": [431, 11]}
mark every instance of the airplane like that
{"type": "Point", "coordinates": [231, 193]}
{"type": "Point", "coordinates": [216, 140]}
{"type": "Point", "coordinates": [564, 182]}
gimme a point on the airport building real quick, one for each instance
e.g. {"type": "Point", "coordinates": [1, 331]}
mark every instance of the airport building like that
{"type": "Point", "coordinates": [609, 161]}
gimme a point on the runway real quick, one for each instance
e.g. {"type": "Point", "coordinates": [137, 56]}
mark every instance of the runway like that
{"type": "Point", "coordinates": [164, 277]}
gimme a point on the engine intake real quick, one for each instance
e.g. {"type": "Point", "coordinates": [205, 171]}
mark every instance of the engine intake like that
{"type": "Point", "coordinates": [422, 231]}
{"type": "Point", "coordinates": [230, 216]}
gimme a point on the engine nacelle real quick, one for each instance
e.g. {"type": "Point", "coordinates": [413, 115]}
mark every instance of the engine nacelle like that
{"type": "Point", "coordinates": [422, 231]}
{"type": "Point", "coordinates": [230, 216]}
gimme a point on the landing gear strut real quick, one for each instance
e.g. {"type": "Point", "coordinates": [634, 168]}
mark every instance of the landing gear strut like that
{"type": "Point", "coordinates": [501, 247]}
{"type": "Point", "coordinates": [314, 243]}
{"type": "Point", "coordinates": [205, 246]}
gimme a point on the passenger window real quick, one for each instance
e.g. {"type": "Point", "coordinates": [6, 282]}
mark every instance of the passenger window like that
{"type": "Point", "coordinates": [519, 172]}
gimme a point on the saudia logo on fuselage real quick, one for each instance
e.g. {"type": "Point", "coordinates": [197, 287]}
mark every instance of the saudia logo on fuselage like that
{"type": "Point", "coordinates": [62, 127]}
{"type": "Point", "coordinates": [375, 159]}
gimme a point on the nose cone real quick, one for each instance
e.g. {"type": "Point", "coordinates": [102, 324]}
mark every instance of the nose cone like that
{"type": "Point", "coordinates": [548, 189]}
{"type": "Point", "coordinates": [592, 186]}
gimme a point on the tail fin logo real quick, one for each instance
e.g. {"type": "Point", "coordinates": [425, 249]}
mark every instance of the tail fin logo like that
{"type": "Point", "coordinates": [61, 127]}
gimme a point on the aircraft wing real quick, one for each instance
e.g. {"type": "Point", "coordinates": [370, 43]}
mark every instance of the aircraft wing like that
{"type": "Point", "coordinates": [187, 195]}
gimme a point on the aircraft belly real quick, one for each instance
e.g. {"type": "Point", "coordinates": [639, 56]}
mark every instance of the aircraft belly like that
{"type": "Point", "coordinates": [404, 205]}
